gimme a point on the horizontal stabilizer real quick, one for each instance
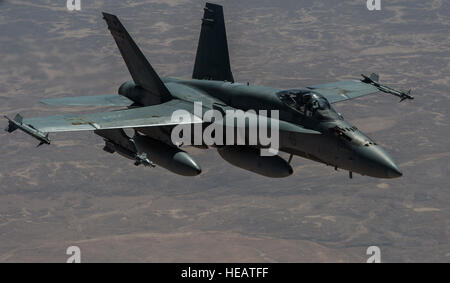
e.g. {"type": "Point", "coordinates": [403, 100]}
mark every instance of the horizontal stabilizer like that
{"type": "Point", "coordinates": [98, 100]}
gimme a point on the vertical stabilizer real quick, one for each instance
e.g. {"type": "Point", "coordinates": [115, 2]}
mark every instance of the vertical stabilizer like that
{"type": "Point", "coordinates": [212, 61]}
{"type": "Point", "coordinates": [139, 67]}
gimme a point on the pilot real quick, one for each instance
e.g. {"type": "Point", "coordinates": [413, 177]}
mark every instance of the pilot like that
{"type": "Point", "coordinates": [314, 104]}
{"type": "Point", "coordinates": [301, 102]}
{"type": "Point", "coordinates": [310, 103]}
{"type": "Point", "coordinates": [306, 98]}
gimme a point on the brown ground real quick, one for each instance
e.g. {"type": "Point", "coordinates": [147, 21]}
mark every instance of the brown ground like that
{"type": "Point", "coordinates": [73, 193]}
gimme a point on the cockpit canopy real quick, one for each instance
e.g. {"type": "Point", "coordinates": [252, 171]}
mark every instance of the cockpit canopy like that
{"type": "Point", "coordinates": [304, 101]}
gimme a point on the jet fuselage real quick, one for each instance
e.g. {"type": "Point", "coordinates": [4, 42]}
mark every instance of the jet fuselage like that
{"type": "Point", "coordinates": [340, 144]}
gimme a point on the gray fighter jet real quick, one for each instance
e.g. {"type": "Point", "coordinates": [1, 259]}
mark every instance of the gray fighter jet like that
{"type": "Point", "coordinates": [309, 126]}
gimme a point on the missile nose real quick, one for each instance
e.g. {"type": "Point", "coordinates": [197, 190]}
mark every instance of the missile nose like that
{"type": "Point", "coordinates": [379, 163]}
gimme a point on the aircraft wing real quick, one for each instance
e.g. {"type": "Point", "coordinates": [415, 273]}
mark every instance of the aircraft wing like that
{"type": "Point", "coordinates": [98, 100]}
{"type": "Point", "coordinates": [345, 90]}
{"type": "Point", "coordinates": [149, 116]}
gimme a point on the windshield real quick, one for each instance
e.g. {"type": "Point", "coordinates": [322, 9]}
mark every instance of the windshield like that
{"type": "Point", "coordinates": [304, 101]}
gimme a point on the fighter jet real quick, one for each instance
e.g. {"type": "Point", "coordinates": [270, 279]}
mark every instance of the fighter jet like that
{"type": "Point", "coordinates": [308, 124]}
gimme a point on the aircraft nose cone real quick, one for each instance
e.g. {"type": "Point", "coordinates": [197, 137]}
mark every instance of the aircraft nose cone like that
{"type": "Point", "coordinates": [379, 163]}
{"type": "Point", "coordinates": [394, 171]}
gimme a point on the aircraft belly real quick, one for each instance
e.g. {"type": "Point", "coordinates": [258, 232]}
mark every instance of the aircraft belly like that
{"type": "Point", "coordinates": [299, 144]}
{"type": "Point", "coordinates": [316, 148]}
{"type": "Point", "coordinates": [162, 133]}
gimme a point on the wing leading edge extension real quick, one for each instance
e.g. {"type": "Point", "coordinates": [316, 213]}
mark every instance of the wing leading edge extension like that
{"type": "Point", "coordinates": [150, 116]}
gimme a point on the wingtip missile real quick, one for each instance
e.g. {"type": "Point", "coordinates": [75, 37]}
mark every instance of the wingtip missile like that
{"type": "Point", "coordinates": [16, 123]}
{"type": "Point", "coordinates": [407, 95]}
{"type": "Point", "coordinates": [45, 140]}
{"type": "Point", "coordinates": [373, 80]}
